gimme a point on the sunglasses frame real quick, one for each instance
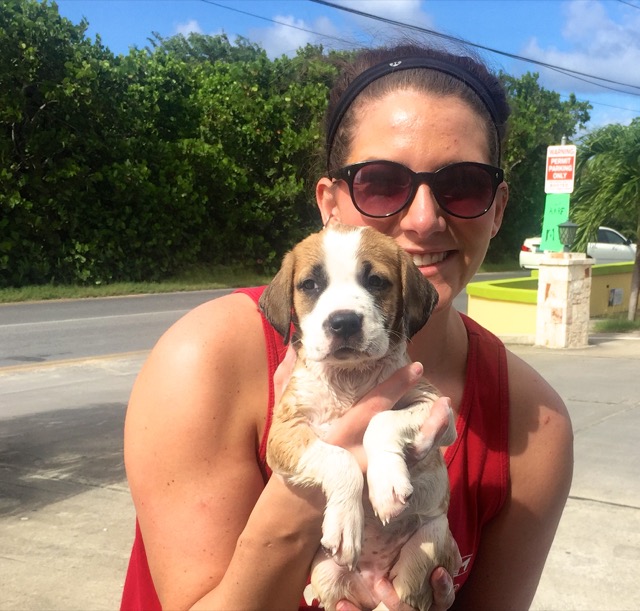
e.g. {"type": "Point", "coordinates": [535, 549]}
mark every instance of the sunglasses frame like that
{"type": "Point", "coordinates": [349, 172]}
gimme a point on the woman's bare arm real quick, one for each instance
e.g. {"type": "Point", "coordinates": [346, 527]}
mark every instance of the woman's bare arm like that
{"type": "Point", "coordinates": [195, 416]}
{"type": "Point", "coordinates": [215, 535]}
{"type": "Point", "coordinates": [515, 544]}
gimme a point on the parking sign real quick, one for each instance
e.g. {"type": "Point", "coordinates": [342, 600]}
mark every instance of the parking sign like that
{"type": "Point", "coordinates": [561, 165]}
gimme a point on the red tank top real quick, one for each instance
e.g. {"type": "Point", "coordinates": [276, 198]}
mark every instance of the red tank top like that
{"type": "Point", "coordinates": [478, 461]}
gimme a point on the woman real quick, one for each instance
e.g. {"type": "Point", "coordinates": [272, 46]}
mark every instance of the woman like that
{"type": "Point", "coordinates": [214, 532]}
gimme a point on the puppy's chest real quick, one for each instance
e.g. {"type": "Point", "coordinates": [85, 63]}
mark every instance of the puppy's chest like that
{"type": "Point", "coordinates": [323, 398]}
{"type": "Point", "coordinates": [321, 403]}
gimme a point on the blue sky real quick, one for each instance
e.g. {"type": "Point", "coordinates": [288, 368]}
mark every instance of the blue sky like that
{"type": "Point", "coordinates": [595, 37]}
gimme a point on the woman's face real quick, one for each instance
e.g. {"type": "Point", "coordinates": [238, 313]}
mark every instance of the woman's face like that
{"type": "Point", "coordinates": [425, 133]}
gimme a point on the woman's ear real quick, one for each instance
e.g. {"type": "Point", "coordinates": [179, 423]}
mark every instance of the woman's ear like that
{"type": "Point", "coordinates": [501, 199]}
{"type": "Point", "coordinates": [325, 198]}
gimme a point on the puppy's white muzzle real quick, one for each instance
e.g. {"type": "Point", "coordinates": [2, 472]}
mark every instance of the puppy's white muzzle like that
{"type": "Point", "coordinates": [345, 324]}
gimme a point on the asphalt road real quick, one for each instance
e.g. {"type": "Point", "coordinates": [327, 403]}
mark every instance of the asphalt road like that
{"type": "Point", "coordinates": [51, 331]}
{"type": "Point", "coordinates": [48, 331]}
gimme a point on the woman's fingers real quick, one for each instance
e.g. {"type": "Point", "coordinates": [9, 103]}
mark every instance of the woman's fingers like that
{"type": "Point", "coordinates": [443, 591]}
{"type": "Point", "coordinates": [283, 373]}
{"type": "Point", "coordinates": [348, 430]}
{"type": "Point", "coordinates": [437, 430]}
{"type": "Point", "coordinates": [385, 591]}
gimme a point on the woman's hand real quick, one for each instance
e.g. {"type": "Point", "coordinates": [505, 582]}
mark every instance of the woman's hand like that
{"type": "Point", "coordinates": [348, 430]}
{"type": "Point", "coordinates": [443, 591]}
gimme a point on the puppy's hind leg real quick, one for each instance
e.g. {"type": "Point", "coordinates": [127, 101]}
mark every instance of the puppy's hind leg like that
{"type": "Point", "coordinates": [431, 546]}
{"type": "Point", "coordinates": [332, 583]}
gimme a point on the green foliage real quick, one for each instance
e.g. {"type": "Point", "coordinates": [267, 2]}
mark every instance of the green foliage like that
{"type": "Point", "coordinates": [194, 150]}
{"type": "Point", "coordinates": [608, 189]}
{"type": "Point", "coordinates": [131, 167]}
{"type": "Point", "coordinates": [539, 118]}
{"type": "Point", "coordinates": [259, 127]}
{"type": "Point", "coordinates": [608, 181]}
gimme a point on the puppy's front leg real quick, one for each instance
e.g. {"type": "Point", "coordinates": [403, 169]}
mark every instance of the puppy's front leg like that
{"type": "Point", "coordinates": [296, 453]}
{"type": "Point", "coordinates": [386, 441]}
{"type": "Point", "coordinates": [388, 435]}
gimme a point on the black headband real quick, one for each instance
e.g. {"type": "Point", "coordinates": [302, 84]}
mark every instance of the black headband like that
{"type": "Point", "coordinates": [367, 77]}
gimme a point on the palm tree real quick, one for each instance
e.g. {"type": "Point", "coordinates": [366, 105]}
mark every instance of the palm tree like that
{"type": "Point", "coordinates": [608, 188]}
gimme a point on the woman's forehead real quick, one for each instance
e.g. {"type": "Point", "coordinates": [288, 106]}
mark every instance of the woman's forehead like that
{"type": "Point", "coordinates": [409, 121]}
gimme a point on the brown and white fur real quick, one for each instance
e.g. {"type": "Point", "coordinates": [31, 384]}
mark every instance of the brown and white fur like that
{"type": "Point", "coordinates": [354, 298]}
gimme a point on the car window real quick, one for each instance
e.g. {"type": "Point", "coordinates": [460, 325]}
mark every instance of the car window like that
{"type": "Point", "coordinates": [610, 237]}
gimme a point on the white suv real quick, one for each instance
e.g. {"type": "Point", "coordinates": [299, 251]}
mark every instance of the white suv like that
{"type": "Point", "coordinates": [611, 247]}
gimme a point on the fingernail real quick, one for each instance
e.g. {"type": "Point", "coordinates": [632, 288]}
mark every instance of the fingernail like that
{"type": "Point", "coordinates": [417, 369]}
{"type": "Point", "coordinates": [444, 580]}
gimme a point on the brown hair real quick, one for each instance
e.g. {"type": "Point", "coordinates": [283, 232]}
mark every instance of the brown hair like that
{"type": "Point", "coordinates": [481, 90]}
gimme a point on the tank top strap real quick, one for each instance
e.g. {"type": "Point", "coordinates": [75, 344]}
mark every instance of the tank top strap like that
{"type": "Point", "coordinates": [276, 350]}
{"type": "Point", "coordinates": [488, 376]}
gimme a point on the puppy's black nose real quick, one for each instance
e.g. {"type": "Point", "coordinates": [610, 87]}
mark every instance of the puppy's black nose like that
{"type": "Point", "coordinates": [345, 323]}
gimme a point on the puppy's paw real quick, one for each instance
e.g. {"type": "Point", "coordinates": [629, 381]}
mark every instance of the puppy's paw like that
{"type": "Point", "coordinates": [389, 487]}
{"type": "Point", "coordinates": [342, 533]}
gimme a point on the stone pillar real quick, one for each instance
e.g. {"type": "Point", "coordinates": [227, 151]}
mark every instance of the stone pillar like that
{"type": "Point", "coordinates": [564, 291]}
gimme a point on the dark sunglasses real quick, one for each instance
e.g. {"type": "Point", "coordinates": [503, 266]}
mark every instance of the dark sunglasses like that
{"type": "Point", "coordinates": [383, 188]}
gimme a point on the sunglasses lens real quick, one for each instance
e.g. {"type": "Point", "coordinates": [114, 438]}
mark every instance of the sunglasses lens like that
{"type": "Point", "coordinates": [381, 189]}
{"type": "Point", "coordinates": [464, 190]}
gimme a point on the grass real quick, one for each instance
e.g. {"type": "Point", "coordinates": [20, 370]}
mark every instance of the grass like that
{"type": "Point", "coordinates": [194, 279]}
{"type": "Point", "coordinates": [616, 323]}
{"type": "Point", "coordinates": [220, 277]}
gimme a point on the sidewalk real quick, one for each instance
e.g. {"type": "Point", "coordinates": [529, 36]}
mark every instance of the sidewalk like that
{"type": "Point", "coordinates": [65, 545]}
{"type": "Point", "coordinates": [595, 558]}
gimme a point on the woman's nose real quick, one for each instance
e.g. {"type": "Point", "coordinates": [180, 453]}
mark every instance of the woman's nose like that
{"type": "Point", "coordinates": [423, 215]}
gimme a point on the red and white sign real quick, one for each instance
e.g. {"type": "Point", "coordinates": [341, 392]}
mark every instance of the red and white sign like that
{"type": "Point", "coordinates": [561, 166]}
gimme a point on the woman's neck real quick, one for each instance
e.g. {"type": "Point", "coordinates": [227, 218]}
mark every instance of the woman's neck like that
{"type": "Point", "coordinates": [441, 346]}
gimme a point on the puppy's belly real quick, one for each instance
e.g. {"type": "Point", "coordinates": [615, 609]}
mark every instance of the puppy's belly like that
{"type": "Point", "coordinates": [382, 544]}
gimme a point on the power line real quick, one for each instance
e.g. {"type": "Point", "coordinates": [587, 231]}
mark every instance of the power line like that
{"type": "Point", "coordinates": [295, 27]}
{"type": "Point", "coordinates": [629, 4]}
{"type": "Point", "coordinates": [566, 71]}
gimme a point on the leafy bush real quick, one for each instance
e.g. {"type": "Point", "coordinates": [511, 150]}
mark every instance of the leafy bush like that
{"type": "Point", "coordinates": [131, 167]}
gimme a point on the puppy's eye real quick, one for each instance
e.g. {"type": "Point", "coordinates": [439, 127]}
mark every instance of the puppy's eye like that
{"type": "Point", "coordinates": [309, 285]}
{"type": "Point", "coordinates": [376, 282]}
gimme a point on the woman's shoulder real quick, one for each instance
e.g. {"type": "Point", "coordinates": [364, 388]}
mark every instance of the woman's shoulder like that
{"type": "Point", "coordinates": [222, 330]}
{"type": "Point", "coordinates": [210, 360]}
{"type": "Point", "coordinates": [541, 435]}
{"type": "Point", "coordinates": [531, 395]}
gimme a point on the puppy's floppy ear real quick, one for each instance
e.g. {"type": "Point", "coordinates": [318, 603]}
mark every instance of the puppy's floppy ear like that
{"type": "Point", "coordinates": [276, 302]}
{"type": "Point", "coordinates": [419, 296]}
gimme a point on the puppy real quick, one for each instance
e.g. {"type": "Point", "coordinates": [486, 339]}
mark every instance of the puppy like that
{"type": "Point", "coordinates": [353, 298]}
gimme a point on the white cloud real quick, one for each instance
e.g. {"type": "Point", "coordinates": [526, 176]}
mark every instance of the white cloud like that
{"type": "Point", "coordinates": [191, 26]}
{"type": "Point", "coordinates": [594, 44]}
{"type": "Point", "coordinates": [407, 11]}
{"type": "Point", "coordinates": [340, 29]}
{"type": "Point", "coordinates": [285, 37]}
{"type": "Point", "coordinates": [404, 11]}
